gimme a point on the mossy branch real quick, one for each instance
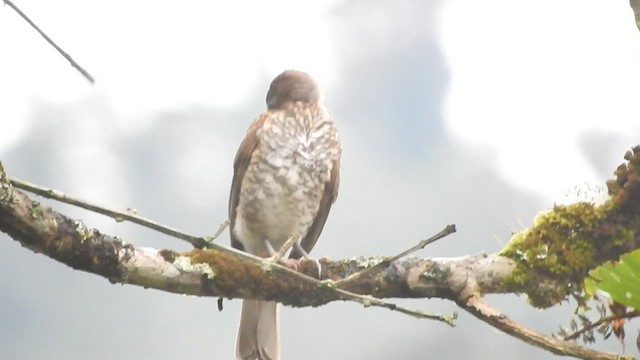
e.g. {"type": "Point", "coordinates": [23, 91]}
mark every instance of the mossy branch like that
{"type": "Point", "coordinates": [554, 256]}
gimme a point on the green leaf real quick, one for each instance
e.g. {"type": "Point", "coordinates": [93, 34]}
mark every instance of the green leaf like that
{"type": "Point", "coordinates": [620, 279]}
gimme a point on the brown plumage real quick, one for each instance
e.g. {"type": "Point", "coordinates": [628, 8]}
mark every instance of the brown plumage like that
{"type": "Point", "coordinates": [286, 176]}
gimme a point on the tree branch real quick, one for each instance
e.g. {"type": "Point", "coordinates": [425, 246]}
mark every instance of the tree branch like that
{"type": "Point", "coordinates": [486, 313]}
{"type": "Point", "coordinates": [73, 63]}
{"type": "Point", "coordinates": [119, 216]}
{"type": "Point", "coordinates": [213, 272]}
{"type": "Point", "coordinates": [224, 272]}
{"type": "Point", "coordinates": [450, 229]}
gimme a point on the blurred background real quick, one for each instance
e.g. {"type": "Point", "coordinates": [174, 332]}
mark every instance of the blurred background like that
{"type": "Point", "coordinates": [475, 113]}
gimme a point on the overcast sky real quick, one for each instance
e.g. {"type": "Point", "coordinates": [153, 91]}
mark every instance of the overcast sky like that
{"type": "Point", "coordinates": [475, 113]}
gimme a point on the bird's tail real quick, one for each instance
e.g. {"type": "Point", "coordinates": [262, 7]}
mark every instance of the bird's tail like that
{"type": "Point", "coordinates": [258, 335]}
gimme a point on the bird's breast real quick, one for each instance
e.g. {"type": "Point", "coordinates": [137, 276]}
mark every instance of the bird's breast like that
{"type": "Point", "coordinates": [283, 185]}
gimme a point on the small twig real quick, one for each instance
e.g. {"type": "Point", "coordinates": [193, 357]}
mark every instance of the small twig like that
{"type": "Point", "coordinates": [477, 307]}
{"type": "Point", "coordinates": [449, 229]}
{"type": "Point", "coordinates": [278, 255]}
{"type": "Point", "coordinates": [48, 39]}
{"type": "Point", "coordinates": [119, 216]}
{"type": "Point", "coordinates": [285, 247]}
{"type": "Point", "coordinates": [367, 300]}
{"type": "Point", "coordinates": [605, 319]}
{"type": "Point", "coordinates": [221, 228]}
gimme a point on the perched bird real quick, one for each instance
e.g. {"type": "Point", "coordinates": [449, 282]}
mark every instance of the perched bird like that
{"type": "Point", "coordinates": [286, 176]}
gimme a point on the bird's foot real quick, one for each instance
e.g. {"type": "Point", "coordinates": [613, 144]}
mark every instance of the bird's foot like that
{"type": "Point", "coordinates": [306, 256]}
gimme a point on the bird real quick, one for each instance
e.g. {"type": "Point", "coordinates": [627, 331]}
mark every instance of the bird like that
{"type": "Point", "coordinates": [285, 180]}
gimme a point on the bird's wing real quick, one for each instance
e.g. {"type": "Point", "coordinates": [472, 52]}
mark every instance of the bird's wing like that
{"type": "Point", "coordinates": [328, 198]}
{"type": "Point", "coordinates": [240, 164]}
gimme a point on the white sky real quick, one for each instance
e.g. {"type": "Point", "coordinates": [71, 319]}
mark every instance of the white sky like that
{"type": "Point", "coordinates": [525, 84]}
{"type": "Point", "coordinates": [528, 81]}
{"type": "Point", "coordinates": [184, 53]}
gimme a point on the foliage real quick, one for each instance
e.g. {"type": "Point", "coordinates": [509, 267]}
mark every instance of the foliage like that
{"type": "Point", "coordinates": [620, 279]}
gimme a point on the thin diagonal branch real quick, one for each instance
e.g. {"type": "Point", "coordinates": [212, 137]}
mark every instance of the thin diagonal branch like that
{"type": "Point", "coordinates": [285, 247]}
{"type": "Point", "coordinates": [198, 242]}
{"type": "Point", "coordinates": [575, 335]}
{"type": "Point", "coordinates": [477, 307]}
{"type": "Point", "coordinates": [449, 229]}
{"type": "Point", "coordinates": [367, 300]}
{"type": "Point", "coordinates": [73, 63]}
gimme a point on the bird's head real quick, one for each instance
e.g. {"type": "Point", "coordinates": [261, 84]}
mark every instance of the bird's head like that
{"type": "Point", "coordinates": [292, 86]}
